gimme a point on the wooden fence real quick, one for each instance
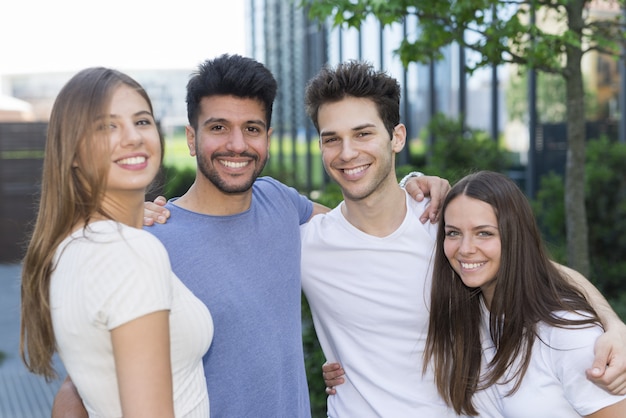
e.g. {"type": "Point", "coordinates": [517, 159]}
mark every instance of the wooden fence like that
{"type": "Point", "coordinates": [21, 158]}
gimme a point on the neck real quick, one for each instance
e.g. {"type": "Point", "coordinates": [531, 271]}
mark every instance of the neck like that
{"type": "Point", "coordinates": [125, 207]}
{"type": "Point", "coordinates": [380, 214]}
{"type": "Point", "coordinates": [205, 198]}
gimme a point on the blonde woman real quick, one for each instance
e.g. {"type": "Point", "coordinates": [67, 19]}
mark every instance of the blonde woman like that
{"type": "Point", "coordinates": [95, 287]}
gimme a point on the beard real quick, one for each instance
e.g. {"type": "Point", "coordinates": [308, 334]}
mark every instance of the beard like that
{"type": "Point", "coordinates": [207, 168]}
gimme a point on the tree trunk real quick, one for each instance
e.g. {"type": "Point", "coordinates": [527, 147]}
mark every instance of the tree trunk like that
{"type": "Point", "coordinates": [576, 214]}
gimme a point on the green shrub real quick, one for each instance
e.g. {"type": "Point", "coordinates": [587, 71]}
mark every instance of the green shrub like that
{"type": "Point", "coordinates": [605, 190]}
{"type": "Point", "coordinates": [176, 180]}
{"type": "Point", "coordinates": [458, 151]}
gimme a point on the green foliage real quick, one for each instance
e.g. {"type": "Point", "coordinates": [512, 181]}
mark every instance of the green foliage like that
{"type": "Point", "coordinates": [177, 180]}
{"type": "Point", "coordinates": [500, 31]}
{"type": "Point", "coordinates": [605, 192]}
{"type": "Point", "coordinates": [549, 208]}
{"type": "Point", "coordinates": [313, 360]}
{"type": "Point", "coordinates": [331, 195]}
{"type": "Point", "coordinates": [606, 208]}
{"type": "Point", "coordinates": [551, 98]}
{"type": "Point", "coordinates": [619, 305]}
{"type": "Point", "coordinates": [458, 151]}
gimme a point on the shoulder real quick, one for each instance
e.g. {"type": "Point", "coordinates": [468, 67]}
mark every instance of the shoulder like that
{"type": "Point", "coordinates": [144, 241]}
{"type": "Point", "coordinates": [415, 210]}
{"type": "Point", "coordinates": [128, 247]}
{"type": "Point", "coordinates": [274, 194]}
{"type": "Point", "coordinates": [268, 185]}
{"type": "Point", "coordinates": [572, 337]}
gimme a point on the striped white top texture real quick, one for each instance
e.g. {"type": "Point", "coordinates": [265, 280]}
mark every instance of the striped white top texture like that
{"type": "Point", "coordinates": [109, 274]}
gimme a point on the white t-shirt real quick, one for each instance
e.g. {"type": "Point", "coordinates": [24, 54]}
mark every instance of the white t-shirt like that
{"type": "Point", "coordinates": [369, 297]}
{"type": "Point", "coordinates": [106, 276]}
{"type": "Point", "coordinates": [555, 384]}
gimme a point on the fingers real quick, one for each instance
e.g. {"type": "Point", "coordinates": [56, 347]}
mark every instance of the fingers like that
{"type": "Point", "coordinates": [333, 381]}
{"type": "Point", "coordinates": [330, 367]}
{"type": "Point", "coordinates": [333, 376]}
{"type": "Point", "coordinates": [431, 213]}
{"type": "Point", "coordinates": [611, 379]}
{"type": "Point", "coordinates": [608, 369]}
{"type": "Point", "coordinates": [155, 212]}
{"type": "Point", "coordinates": [413, 188]}
{"type": "Point", "coordinates": [160, 200]}
{"type": "Point", "coordinates": [434, 187]}
{"type": "Point", "coordinates": [601, 358]}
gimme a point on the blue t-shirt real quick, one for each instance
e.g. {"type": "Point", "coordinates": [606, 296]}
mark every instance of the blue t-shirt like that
{"type": "Point", "coordinates": [246, 269]}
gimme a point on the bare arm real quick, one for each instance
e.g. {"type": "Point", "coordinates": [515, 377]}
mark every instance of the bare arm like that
{"type": "Point", "coordinates": [67, 402]}
{"type": "Point", "coordinates": [611, 411]}
{"type": "Point", "coordinates": [428, 186]}
{"type": "Point", "coordinates": [609, 366]}
{"type": "Point", "coordinates": [141, 349]}
{"type": "Point", "coordinates": [318, 209]}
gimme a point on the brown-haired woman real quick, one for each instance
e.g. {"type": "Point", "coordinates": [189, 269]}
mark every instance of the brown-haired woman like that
{"type": "Point", "coordinates": [509, 335]}
{"type": "Point", "coordinates": [95, 287]}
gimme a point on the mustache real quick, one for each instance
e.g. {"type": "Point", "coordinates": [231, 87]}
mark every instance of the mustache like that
{"type": "Point", "coordinates": [235, 155]}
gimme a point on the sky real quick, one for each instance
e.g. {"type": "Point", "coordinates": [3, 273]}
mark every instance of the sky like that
{"type": "Point", "coordinates": [68, 35]}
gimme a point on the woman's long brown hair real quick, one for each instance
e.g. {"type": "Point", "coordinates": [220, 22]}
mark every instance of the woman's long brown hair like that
{"type": "Point", "coordinates": [529, 289]}
{"type": "Point", "coordinates": [72, 187]}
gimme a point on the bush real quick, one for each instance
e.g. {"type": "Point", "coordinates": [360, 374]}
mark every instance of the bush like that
{"type": "Point", "coordinates": [176, 181]}
{"type": "Point", "coordinates": [458, 151]}
{"type": "Point", "coordinates": [605, 190]}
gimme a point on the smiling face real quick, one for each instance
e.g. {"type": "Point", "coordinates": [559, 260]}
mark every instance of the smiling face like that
{"type": "Point", "coordinates": [472, 243]}
{"type": "Point", "coordinates": [133, 140]}
{"type": "Point", "coordinates": [356, 148]}
{"type": "Point", "coordinates": [231, 143]}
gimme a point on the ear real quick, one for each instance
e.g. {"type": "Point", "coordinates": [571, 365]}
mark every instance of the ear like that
{"type": "Point", "coordinates": [191, 140]}
{"type": "Point", "coordinates": [270, 131]}
{"type": "Point", "coordinates": [398, 140]}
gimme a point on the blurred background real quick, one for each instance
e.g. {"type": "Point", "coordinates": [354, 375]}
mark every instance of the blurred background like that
{"type": "Point", "coordinates": [500, 116]}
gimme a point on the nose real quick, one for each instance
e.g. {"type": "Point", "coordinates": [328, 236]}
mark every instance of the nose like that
{"type": "Point", "coordinates": [237, 142]}
{"type": "Point", "coordinates": [131, 136]}
{"type": "Point", "coordinates": [467, 245]}
{"type": "Point", "coordinates": [348, 151]}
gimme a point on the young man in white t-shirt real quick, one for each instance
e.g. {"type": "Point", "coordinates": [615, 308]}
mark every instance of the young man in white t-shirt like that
{"type": "Point", "coordinates": [366, 264]}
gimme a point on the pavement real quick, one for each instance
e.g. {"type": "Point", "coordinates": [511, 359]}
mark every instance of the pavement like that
{"type": "Point", "coordinates": [22, 394]}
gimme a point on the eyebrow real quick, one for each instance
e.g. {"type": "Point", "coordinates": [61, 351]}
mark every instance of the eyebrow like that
{"type": "Point", "coordinates": [223, 120]}
{"type": "Point", "coordinates": [474, 228]}
{"type": "Point", "coordinates": [355, 129]}
{"type": "Point", "coordinates": [140, 113]}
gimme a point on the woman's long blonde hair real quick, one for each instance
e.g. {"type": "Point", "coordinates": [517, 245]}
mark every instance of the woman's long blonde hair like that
{"type": "Point", "coordinates": [72, 188]}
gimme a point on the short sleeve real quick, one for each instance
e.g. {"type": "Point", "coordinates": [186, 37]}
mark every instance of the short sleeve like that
{"type": "Point", "coordinates": [572, 352]}
{"type": "Point", "coordinates": [303, 205]}
{"type": "Point", "coordinates": [133, 279]}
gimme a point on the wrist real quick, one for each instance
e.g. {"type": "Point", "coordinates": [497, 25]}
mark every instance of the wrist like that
{"type": "Point", "coordinates": [409, 176]}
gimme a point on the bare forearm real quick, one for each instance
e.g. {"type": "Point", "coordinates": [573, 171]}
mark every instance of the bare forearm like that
{"type": "Point", "coordinates": [607, 315]}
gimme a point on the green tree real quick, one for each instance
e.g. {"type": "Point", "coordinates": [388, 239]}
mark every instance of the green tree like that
{"type": "Point", "coordinates": [459, 151]}
{"type": "Point", "coordinates": [504, 32]}
{"type": "Point", "coordinates": [551, 96]}
{"type": "Point", "coordinates": [605, 191]}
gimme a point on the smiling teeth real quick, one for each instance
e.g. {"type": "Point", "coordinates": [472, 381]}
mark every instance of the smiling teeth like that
{"type": "Point", "coordinates": [471, 265]}
{"type": "Point", "coordinates": [132, 160]}
{"type": "Point", "coordinates": [232, 164]}
{"type": "Point", "coordinates": [354, 170]}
